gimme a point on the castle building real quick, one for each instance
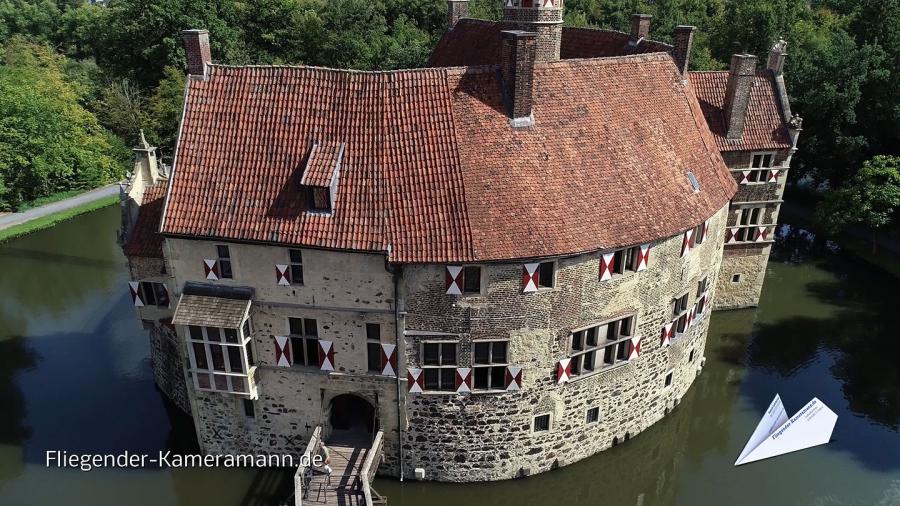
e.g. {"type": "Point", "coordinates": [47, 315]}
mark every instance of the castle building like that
{"type": "Point", "coordinates": [504, 262]}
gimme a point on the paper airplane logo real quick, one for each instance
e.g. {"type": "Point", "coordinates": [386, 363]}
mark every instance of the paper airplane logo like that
{"type": "Point", "coordinates": [777, 434]}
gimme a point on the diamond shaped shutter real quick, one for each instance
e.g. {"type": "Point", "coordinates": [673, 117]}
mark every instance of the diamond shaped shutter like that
{"type": "Point", "coordinates": [326, 355]}
{"type": "Point", "coordinates": [731, 236]}
{"type": "Point", "coordinates": [284, 356]}
{"type": "Point", "coordinates": [643, 257]}
{"type": "Point", "coordinates": [705, 230]}
{"type": "Point", "coordinates": [530, 277]}
{"type": "Point", "coordinates": [454, 279]}
{"type": "Point", "coordinates": [282, 275]}
{"type": "Point", "coordinates": [635, 348]}
{"type": "Point", "coordinates": [415, 380]}
{"type": "Point", "coordinates": [762, 233]}
{"type": "Point", "coordinates": [211, 269]}
{"type": "Point", "coordinates": [667, 330]}
{"type": "Point", "coordinates": [563, 369]}
{"type": "Point", "coordinates": [135, 288]}
{"type": "Point", "coordinates": [607, 264]}
{"type": "Point", "coordinates": [388, 360]}
{"type": "Point", "coordinates": [513, 378]}
{"type": "Point", "coordinates": [773, 176]}
{"type": "Point", "coordinates": [463, 380]}
{"type": "Point", "coordinates": [686, 242]}
{"type": "Point", "coordinates": [745, 176]}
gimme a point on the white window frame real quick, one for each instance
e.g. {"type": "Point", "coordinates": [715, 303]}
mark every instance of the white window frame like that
{"type": "Point", "coordinates": [305, 336]}
{"type": "Point", "coordinates": [440, 365]}
{"type": "Point", "coordinates": [489, 366]}
{"type": "Point", "coordinates": [549, 428]}
{"type": "Point", "coordinates": [625, 260]}
{"type": "Point", "coordinates": [677, 316]}
{"type": "Point", "coordinates": [747, 232]}
{"type": "Point", "coordinates": [243, 344]}
{"type": "Point", "coordinates": [142, 288]}
{"type": "Point", "coordinates": [577, 356]}
{"type": "Point", "coordinates": [760, 175]}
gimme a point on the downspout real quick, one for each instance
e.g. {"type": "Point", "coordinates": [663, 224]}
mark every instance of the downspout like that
{"type": "Point", "coordinates": [396, 272]}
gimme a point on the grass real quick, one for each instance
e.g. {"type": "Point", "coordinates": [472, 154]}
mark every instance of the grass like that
{"type": "Point", "coordinates": [49, 199]}
{"type": "Point", "coordinates": [52, 219]}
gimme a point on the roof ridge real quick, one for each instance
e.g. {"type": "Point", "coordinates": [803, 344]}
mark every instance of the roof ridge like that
{"type": "Point", "coordinates": [214, 66]}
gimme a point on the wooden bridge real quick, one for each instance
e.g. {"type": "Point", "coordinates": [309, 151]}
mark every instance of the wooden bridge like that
{"type": "Point", "coordinates": [354, 462]}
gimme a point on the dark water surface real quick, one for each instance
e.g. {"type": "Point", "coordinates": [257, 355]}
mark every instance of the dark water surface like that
{"type": "Point", "coordinates": [75, 376]}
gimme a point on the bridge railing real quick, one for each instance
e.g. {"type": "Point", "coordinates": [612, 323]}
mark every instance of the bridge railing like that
{"type": "Point", "coordinates": [312, 449]}
{"type": "Point", "coordinates": [369, 468]}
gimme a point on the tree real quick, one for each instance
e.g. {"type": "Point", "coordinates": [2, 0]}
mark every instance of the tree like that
{"type": "Point", "coordinates": [165, 110]}
{"type": "Point", "coordinates": [871, 198]}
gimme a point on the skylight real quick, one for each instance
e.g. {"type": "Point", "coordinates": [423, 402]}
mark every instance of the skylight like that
{"type": "Point", "coordinates": [694, 183]}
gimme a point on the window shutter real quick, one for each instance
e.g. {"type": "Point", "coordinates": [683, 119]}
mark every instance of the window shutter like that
{"type": "Point", "coordinates": [211, 269]}
{"type": "Point", "coordinates": [513, 378]}
{"type": "Point", "coordinates": [635, 348]}
{"type": "Point", "coordinates": [135, 288]}
{"type": "Point", "coordinates": [745, 176]}
{"type": "Point", "coordinates": [667, 331]}
{"type": "Point", "coordinates": [643, 257]}
{"type": "Point", "coordinates": [692, 314]}
{"type": "Point", "coordinates": [463, 380]}
{"type": "Point", "coordinates": [388, 360]}
{"type": "Point", "coordinates": [731, 236]}
{"type": "Point", "coordinates": [563, 369]}
{"type": "Point", "coordinates": [284, 356]}
{"type": "Point", "coordinates": [454, 279]}
{"type": "Point", "coordinates": [686, 242]}
{"type": "Point", "coordinates": [530, 277]}
{"type": "Point", "coordinates": [326, 355]}
{"type": "Point", "coordinates": [705, 230]}
{"type": "Point", "coordinates": [282, 275]}
{"type": "Point", "coordinates": [415, 380]}
{"type": "Point", "coordinates": [773, 175]}
{"type": "Point", "coordinates": [607, 264]}
{"type": "Point", "coordinates": [762, 234]}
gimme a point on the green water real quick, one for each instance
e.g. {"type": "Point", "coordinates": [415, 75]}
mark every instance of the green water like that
{"type": "Point", "coordinates": [75, 375]}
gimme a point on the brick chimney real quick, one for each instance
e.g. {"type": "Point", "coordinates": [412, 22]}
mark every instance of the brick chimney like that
{"type": "Point", "coordinates": [737, 93]}
{"type": "Point", "coordinates": [682, 40]}
{"type": "Point", "coordinates": [640, 27]}
{"type": "Point", "coordinates": [776, 57]}
{"type": "Point", "coordinates": [456, 10]}
{"type": "Point", "coordinates": [517, 74]}
{"type": "Point", "coordinates": [542, 17]}
{"type": "Point", "coordinates": [196, 48]}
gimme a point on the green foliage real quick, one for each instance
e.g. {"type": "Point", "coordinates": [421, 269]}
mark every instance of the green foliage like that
{"type": "Point", "coordinates": [48, 141]}
{"type": "Point", "coordinates": [165, 110]}
{"type": "Point", "coordinates": [871, 198]}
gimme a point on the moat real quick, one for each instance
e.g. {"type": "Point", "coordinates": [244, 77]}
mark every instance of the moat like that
{"type": "Point", "coordinates": [75, 376]}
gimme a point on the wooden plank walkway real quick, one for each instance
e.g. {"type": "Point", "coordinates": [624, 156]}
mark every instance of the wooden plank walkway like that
{"type": "Point", "coordinates": [343, 487]}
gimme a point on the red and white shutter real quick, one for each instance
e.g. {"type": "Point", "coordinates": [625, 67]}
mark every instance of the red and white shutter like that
{"type": "Point", "coordinates": [731, 235]}
{"type": "Point", "coordinates": [762, 233]}
{"type": "Point", "coordinates": [667, 331]}
{"type": "Point", "coordinates": [705, 229]}
{"type": "Point", "coordinates": [692, 315]}
{"type": "Point", "coordinates": [284, 356]}
{"type": "Point", "coordinates": [388, 359]}
{"type": "Point", "coordinates": [643, 257]}
{"type": "Point", "coordinates": [211, 269]}
{"type": "Point", "coordinates": [686, 242]}
{"type": "Point", "coordinates": [745, 176]}
{"type": "Point", "coordinates": [635, 351]}
{"type": "Point", "coordinates": [135, 288]}
{"type": "Point", "coordinates": [454, 279]}
{"type": "Point", "coordinates": [513, 378]}
{"type": "Point", "coordinates": [282, 275]}
{"type": "Point", "coordinates": [607, 264]}
{"type": "Point", "coordinates": [563, 369]}
{"type": "Point", "coordinates": [463, 380]}
{"type": "Point", "coordinates": [773, 175]}
{"type": "Point", "coordinates": [530, 277]}
{"type": "Point", "coordinates": [326, 355]}
{"type": "Point", "coordinates": [415, 380]}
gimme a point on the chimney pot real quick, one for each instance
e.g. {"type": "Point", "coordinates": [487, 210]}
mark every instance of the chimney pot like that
{"type": "Point", "coordinates": [196, 48]}
{"type": "Point", "coordinates": [517, 74]}
{"type": "Point", "coordinates": [683, 39]}
{"type": "Point", "coordinates": [456, 10]}
{"type": "Point", "coordinates": [776, 57]}
{"type": "Point", "coordinates": [640, 27]}
{"type": "Point", "coordinates": [737, 93]}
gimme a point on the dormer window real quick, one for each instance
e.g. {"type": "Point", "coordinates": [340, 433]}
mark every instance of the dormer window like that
{"type": "Point", "coordinates": [320, 176]}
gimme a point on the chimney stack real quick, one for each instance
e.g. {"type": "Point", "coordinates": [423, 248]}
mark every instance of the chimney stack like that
{"type": "Point", "coordinates": [542, 17]}
{"type": "Point", "coordinates": [196, 48]}
{"type": "Point", "coordinates": [456, 10]}
{"type": "Point", "coordinates": [737, 93]}
{"type": "Point", "coordinates": [640, 27]}
{"type": "Point", "coordinates": [682, 40]}
{"type": "Point", "coordinates": [776, 57]}
{"type": "Point", "coordinates": [517, 74]}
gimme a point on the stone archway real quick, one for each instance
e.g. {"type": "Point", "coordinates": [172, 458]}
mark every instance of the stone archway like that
{"type": "Point", "coordinates": [351, 418]}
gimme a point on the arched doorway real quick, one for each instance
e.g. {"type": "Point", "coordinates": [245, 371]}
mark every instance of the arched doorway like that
{"type": "Point", "coordinates": [352, 418]}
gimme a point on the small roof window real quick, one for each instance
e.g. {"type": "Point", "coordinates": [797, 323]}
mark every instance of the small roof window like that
{"type": "Point", "coordinates": [693, 179]}
{"type": "Point", "coordinates": [320, 175]}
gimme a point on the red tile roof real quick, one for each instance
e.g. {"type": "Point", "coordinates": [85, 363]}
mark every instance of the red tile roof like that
{"type": "Point", "coordinates": [432, 170]}
{"type": "Point", "coordinates": [477, 42]}
{"type": "Point", "coordinates": [322, 163]}
{"type": "Point", "coordinates": [144, 239]}
{"type": "Point", "coordinates": [764, 127]}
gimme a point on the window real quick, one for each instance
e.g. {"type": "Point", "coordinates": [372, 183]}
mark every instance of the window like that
{"type": "Point", "coordinates": [697, 236]}
{"type": "Point", "coordinates": [154, 294]}
{"type": "Point", "coordinates": [702, 286]}
{"type": "Point", "coordinates": [219, 364]}
{"type": "Point", "coordinates": [680, 313]}
{"type": "Point", "coordinates": [601, 346]}
{"type": "Point", "coordinates": [471, 279]}
{"type": "Point", "coordinates": [592, 415]}
{"type": "Point", "coordinates": [224, 261]}
{"type": "Point", "coordinates": [762, 160]}
{"type": "Point", "coordinates": [304, 334]}
{"type": "Point", "coordinates": [747, 218]}
{"type": "Point", "coordinates": [541, 423]}
{"type": "Point", "coordinates": [736, 278]}
{"type": "Point", "coordinates": [489, 361]}
{"type": "Point", "coordinates": [319, 199]}
{"type": "Point", "coordinates": [439, 365]}
{"type": "Point", "coordinates": [691, 356]}
{"type": "Point", "coordinates": [249, 409]}
{"type": "Point", "coordinates": [373, 346]}
{"type": "Point", "coordinates": [669, 379]}
{"type": "Point", "coordinates": [296, 259]}
{"type": "Point", "coordinates": [626, 260]}
{"type": "Point", "coordinates": [547, 274]}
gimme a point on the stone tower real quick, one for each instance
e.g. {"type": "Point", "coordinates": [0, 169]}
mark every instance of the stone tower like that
{"type": "Point", "coordinates": [543, 17]}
